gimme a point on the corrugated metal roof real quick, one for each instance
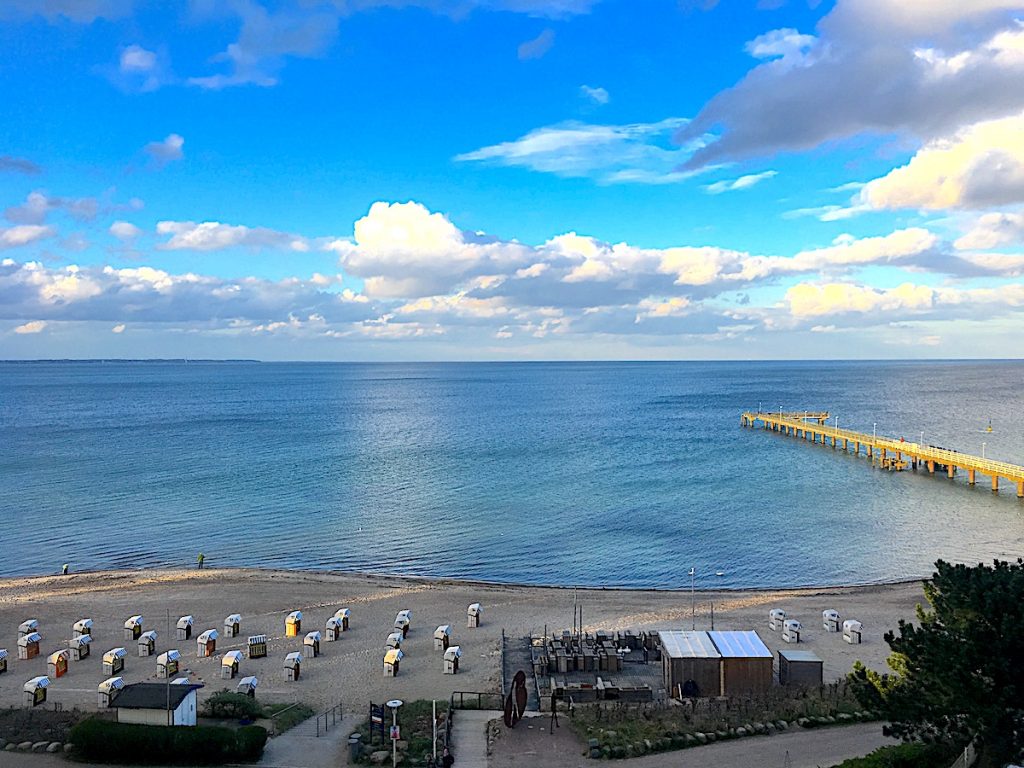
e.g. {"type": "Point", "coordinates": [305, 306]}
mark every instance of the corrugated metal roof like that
{"type": "Point", "coordinates": [686, 644]}
{"type": "Point", "coordinates": [740, 644]}
{"type": "Point", "coordinates": [804, 656]}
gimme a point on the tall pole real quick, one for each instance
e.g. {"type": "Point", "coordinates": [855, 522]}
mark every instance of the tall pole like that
{"type": "Point", "coordinates": [394, 741]}
{"type": "Point", "coordinates": [433, 707]}
{"type": "Point", "coordinates": [874, 431]}
{"type": "Point", "coordinates": [983, 450]}
{"type": "Point", "coordinates": [167, 676]}
{"type": "Point", "coordinates": [693, 607]}
{"type": "Point", "coordinates": [922, 437]}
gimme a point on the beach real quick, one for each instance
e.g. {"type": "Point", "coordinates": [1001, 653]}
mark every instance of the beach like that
{"type": "Point", "coordinates": [350, 671]}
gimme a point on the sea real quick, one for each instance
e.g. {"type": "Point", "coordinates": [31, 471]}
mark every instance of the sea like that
{"type": "Point", "coordinates": [610, 474]}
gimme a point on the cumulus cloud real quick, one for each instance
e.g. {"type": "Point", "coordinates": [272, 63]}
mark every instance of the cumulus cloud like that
{"type": "Point", "coordinates": [54, 11]}
{"type": "Point", "coordinates": [743, 182]}
{"type": "Point", "coordinates": [139, 69]}
{"type": "Point", "coordinates": [595, 95]}
{"type": "Point", "coordinates": [215, 236]}
{"type": "Point", "coordinates": [942, 64]}
{"type": "Point", "coordinates": [166, 151]}
{"type": "Point", "coordinates": [135, 58]}
{"type": "Point", "coordinates": [10, 164]}
{"type": "Point", "coordinates": [978, 166]}
{"type": "Point", "coordinates": [124, 230]}
{"type": "Point", "coordinates": [119, 328]}
{"type": "Point", "coordinates": [993, 230]}
{"type": "Point", "coordinates": [33, 326]}
{"type": "Point", "coordinates": [38, 205]}
{"type": "Point", "coordinates": [23, 234]}
{"type": "Point", "coordinates": [631, 153]}
{"type": "Point", "coordinates": [537, 47]}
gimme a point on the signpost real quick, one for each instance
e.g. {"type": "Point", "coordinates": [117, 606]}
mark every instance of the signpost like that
{"type": "Point", "coordinates": [393, 705]}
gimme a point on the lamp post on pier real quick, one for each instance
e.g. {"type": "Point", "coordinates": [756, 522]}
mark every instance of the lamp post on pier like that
{"type": "Point", "coordinates": [874, 431]}
{"type": "Point", "coordinates": [983, 450]}
{"type": "Point", "coordinates": [693, 605]}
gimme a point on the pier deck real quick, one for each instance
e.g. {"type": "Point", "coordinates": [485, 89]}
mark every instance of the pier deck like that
{"type": "Point", "coordinates": [887, 452]}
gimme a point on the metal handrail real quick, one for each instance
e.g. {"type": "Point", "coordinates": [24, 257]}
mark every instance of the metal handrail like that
{"type": "Point", "coordinates": [942, 455]}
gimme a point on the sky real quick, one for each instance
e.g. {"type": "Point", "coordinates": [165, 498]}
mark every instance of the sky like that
{"type": "Point", "coordinates": [512, 179]}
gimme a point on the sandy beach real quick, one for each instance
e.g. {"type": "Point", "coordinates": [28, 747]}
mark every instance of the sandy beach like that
{"type": "Point", "coordinates": [350, 670]}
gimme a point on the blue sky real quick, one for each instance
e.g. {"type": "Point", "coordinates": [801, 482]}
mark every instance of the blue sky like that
{"type": "Point", "coordinates": [511, 179]}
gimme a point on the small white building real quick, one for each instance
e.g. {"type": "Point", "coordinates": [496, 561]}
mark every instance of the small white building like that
{"type": "Point", "coordinates": [167, 664]}
{"type": "Point", "coordinates": [451, 660]}
{"type": "Point", "coordinates": [403, 622]}
{"type": "Point", "coordinates": [442, 637]}
{"type": "Point", "coordinates": [293, 624]}
{"type": "Point", "coordinates": [133, 628]}
{"type": "Point", "coordinates": [334, 629]}
{"type": "Point", "coordinates": [157, 704]}
{"type": "Point", "coordinates": [107, 691]}
{"type": "Point", "coordinates": [79, 647]}
{"type": "Point", "coordinates": [229, 664]}
{"type": "Point", "coordinates": [776, 616]}
{"type": "Point", "coordinates": [293, 666]}
{"type": "Point", "coordinates": [830, 620]}
{"type": "Point", "coordinates": [28, 646]}
{"type": "Point", "coordinates": [27, 627]}
{"type": "Point", "coordinates": [392, 660]}
{"type": "Point", "coordinates": [35, 690]}
{"type": "Point", "coordinates": [184, 627]}
{"type": "Point", "coordinates": [344, 614]}
{"type": "Point", "coordinates": [147, 643]}
{"type": "Point", "coordinates": [206, 644]}
{"type": "Point", "coordinates": [852, 631]}
{"type": "Point", "coordinates": [233, 625]}
{"type": "Point", "coordinates": [311, 644]}
{"type": "Point", "coordinates": [473, 614]}
{"type": "Point", "coordinates": [394, 640]}
{"type": "Point", "coordinates": [791, 630]}
{"type": "Point", "coordinates": [113, 661]}
{"type": "Point", "coordinates": [247, 685]}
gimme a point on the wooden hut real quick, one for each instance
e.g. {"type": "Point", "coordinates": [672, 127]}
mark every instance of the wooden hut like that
{"type": "Point", "coordinates": [392, 659]}
{"type": "Point", "coordinates": [229, 664]}
{"type": "Point", "coordinates": [206, 643]}
{"type": "Point", "coordinates": [746, 662]}
{"type": "Point", "coordinates": [81, 627]}
{"type": "Point", "coordinates": [79, 647]}
{"type": "Point", "coordinates": [107, 691]}
{"type": "Point", "coordinates": [451, 660]}
{"type": "Point", "coordinates": [345, 615]}
{"type": "Point", "coordinates": [247, 685]}
{"type": "Point", "coordinates": [113, 661]}
{"type": "Point", "coordinates": [147, 643]}
{"type": "Point", "coordinates": [800, 668]}
{"type": "Point", "coordinates": [292, 666]}
{"type": "Point", "coordinates": [311, 644]}
{"type": "Point", "coordinates": [167, 664]}
{"type": "Point", "coordinates": [28, 646]}
{"type": "Point", "coordinates": [57, 663]}
{"type": "Point", "coordinates": [293, 624]}
{"type": "Point", "coordinates": [442, 637]}
{"type": "Point", "coordinates": [232, 625]}
{"type": "Point", "coordinates": [691, 664]}
{"type": "Point", "coordinates": [473, 614]}
{"type": "Point", "coordinates": [403, 622]}
{"type": "Point", "coordinates": [133, 628]}
{"type": "Point", "coordinates": [184, 627]}
{"type": "Point", "coordinates": [27, 627]}
{"type": "Point", "coordinates": [257, 646]}
{"type": "Point", "coordinates": [333, 629]}
{"type": "Point", "coordinates": [35, 690]}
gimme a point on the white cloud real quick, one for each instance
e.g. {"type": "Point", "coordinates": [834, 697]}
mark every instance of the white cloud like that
{"type": "Point", "coordinates": [813, 300]}
{"type": "Point", "coordinates": [124, 230]}
{"type": "Point", "coordinates": [538, 46]}
{"type": "Point", "coordinates": [136, 59]}
{"type": "Point", "coordinates": [119, 328]}
{"type": "Point", "coordinates": [978, 166]}
{"type": "Point", "coordinates": [166, 151]}
{"type": "Point", "coordinates": [743, 182]}
{"type": "Point", "coordinates": [214, 236]}
{"type": "Point", "coordinates": [38, 205]}
{"type": "Point", "coordinates": [993, 230]}
{"type": "Point", "coordinates": [942, 64]}
{"type": "Point", "coordinates": [636, 152]}
{"type": "Point", "coordinates": [9, 163]}
{"type": "Point", "coordinates": [13, 237]}
{"type": "Point", "coordinates": [596, 95]}
{"type": "Point", "coordinates": [34, 326]}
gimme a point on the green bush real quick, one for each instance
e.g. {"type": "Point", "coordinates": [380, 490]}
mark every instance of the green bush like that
{"type": "Point", "coordinates": [106, 742]}
{"type": "Point", "coordinates": [904, 756]}
{"type": "Point", "coordinates": [229, 705]}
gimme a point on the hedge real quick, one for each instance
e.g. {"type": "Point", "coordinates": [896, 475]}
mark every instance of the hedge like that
{"type": "Point", "coordinates": [106, 742]}
{"type": "Point", "coordinates": [913, 755]}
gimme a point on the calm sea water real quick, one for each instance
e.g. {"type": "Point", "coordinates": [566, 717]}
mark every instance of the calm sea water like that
{"type": "Point", "coordinates": [590, 474]}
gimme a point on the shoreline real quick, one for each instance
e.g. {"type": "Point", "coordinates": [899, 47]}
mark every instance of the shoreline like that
{"type": "Point", "coordinates": [184, 571]}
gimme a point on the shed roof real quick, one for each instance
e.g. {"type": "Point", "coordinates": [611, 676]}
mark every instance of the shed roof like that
{"type": "Point", "coordinates": [153, 695]}
{"type": "Point", "coordinates": [799, 656]}
{"type": "Point", "coordinates": [687, 644]}
{"type": "Point", "coordinates": [740, 644]}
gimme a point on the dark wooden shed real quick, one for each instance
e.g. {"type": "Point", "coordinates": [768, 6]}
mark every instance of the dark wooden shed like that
{"type": "Point", "coordinates": [690, 657]}
{"type": "Point", "coordinates": [799, 668]}
{"type": "Point", "coordinates": [747, 664]}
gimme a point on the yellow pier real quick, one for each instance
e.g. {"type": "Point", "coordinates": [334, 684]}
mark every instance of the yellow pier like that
{"type": "Point", "coordinates": [885, 451]}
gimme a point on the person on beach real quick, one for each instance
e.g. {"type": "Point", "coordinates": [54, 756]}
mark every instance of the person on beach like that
{"type": "Point", "coordinates": [447, 759]}
{"type": "Point", "coordinates": [200, 559]}
{"type": "Point", "coordinates": [64, 570]}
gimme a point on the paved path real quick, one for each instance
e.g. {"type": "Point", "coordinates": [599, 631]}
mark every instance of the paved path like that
{"type": "Point", "coordinates": [301, 748]}
{"type": "Point", "coordinates": [531, 743]}
{"type": "Point", "coordinates": [469, 736]}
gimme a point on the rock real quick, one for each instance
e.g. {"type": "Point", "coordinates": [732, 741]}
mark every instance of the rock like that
{"type": "Point", "coordinates": [55, 747]}
{"type": "Point", "coordinates": [711, 736]}
{"type": "Point", "coordinates": [25, 746]}
{"type": "Point", "coordinates": [378, 758]}
{"type": "Point", "coordinates": [802, 722]}
{"type": "Point", "coordinates": [40, 746]}
{"type": "Point", "coordinates": [618, 752]}
{"type": "Point", "coordinates": [845, 717]}
{"type": "Point", "coordinates": [647, 745]}
{"type": "Point", "coordinates": [11, 746]}
{"type": "Point", "coordinates": [701, 738]}
{"type": "Point", "coordinates": [749, 727]}
{"type": "Point", "coordinates": [769, 728]}
{"type": "Point", "coordinates": [741, 732]}
{"type": "Point", "coordinates": [722, 735]}
{"type": "Point", "coordinates": [593, 743]}
{"type": "Point", "coordinates": [610, 734]}
{"type": "Point", "coordinates": [69, 747]}
{"type": "Point", "coordinates": [781, 725]}
{"type": "Point", "coordinates": [595, 753]}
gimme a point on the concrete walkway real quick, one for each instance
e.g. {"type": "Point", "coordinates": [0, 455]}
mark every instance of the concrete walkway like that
{"type": "Point", "coordinates": [301, 748]}
{"type": "Point", "coordinates": [469, 736]}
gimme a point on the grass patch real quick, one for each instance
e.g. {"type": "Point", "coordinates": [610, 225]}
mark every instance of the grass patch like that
{"type": "Point", "coordinates": [905, 756]}
{"type": "Point", "coordinates": [416, 721]}
{"type": "Point", "coordinates": [286, 716]}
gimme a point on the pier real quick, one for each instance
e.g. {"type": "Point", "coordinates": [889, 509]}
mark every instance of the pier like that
{"type": "Point", "coordinates": [886, 452]}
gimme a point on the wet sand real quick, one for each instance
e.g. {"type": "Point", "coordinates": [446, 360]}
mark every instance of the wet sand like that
{"type": "Point", "coordinates": [350, 670]}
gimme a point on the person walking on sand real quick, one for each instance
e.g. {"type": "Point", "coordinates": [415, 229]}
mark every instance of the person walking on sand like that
{"type": "Point", "coordinates": [200, 559]}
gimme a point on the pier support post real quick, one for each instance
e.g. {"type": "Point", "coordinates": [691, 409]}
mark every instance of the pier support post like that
{"type": "Point", "coordinates": [931, 467]}
{"type": "Point", "coordinates": [846, 444]}
{"type": "Point", "coordinates": [995, 483]}
{"type": "Point", "coordinates": [950, 470]}
{"type": "Point", "coordinates": [1020, 489]}
{"type": "Point", "coordinates": [970, 477]}
{"type": "Point", "coordinates": [870, 451]}
{"type": "Point", "coordinates": [833, 441]}
{"type": "Point", "coordinates": [856, 448]}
